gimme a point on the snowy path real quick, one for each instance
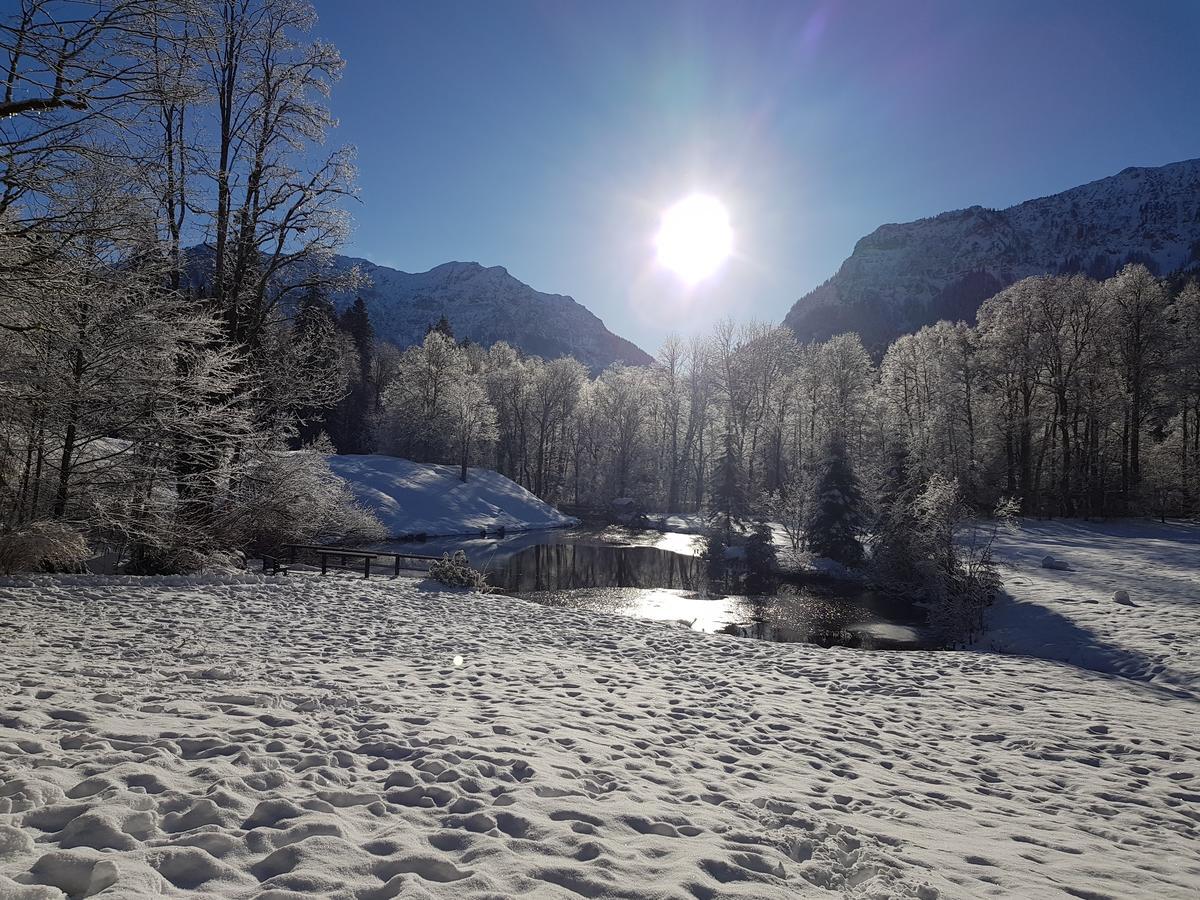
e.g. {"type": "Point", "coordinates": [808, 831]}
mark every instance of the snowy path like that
{"type": "Point", "coordinates": [305, 736]}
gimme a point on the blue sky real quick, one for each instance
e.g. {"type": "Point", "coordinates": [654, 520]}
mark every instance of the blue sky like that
{"type": "Point", "coordinates": [547, 137]}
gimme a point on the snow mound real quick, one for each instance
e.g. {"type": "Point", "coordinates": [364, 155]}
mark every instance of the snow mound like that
{"type": "Point", "coordinates": [412, 498]}
{"type": "Point", "coordinates": [1049, 562]}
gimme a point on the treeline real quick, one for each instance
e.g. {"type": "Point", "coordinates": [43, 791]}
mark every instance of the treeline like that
{"type": "Point", "coordinates": [1075, 397]}
{"type": "Point", "coordinates": [146, 392]}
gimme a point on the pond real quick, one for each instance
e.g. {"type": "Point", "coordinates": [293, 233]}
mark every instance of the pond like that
{"type": "Point", "coordinates": [656, 575]}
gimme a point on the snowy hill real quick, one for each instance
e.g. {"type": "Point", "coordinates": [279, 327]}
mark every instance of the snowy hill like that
{"type": "Point", "coordinates": [418, 498]}
{"type": "Point", "coordinates": [901, 277]}
{"type": "Point", "coordinates": [485, 305]}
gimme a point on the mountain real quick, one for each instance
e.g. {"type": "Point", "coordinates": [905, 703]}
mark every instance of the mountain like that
{"type": "Point", "coordinates": [485, 305]}
{"type": "Point", "coordinates": [901, 277]}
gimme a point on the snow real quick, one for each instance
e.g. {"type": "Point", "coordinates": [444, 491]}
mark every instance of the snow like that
{"type": "Point", "coordinates": [419, 498]}
{"type": "Point", "coordinates": [242, 736]}
{"type": "Point", "coordinates": [679, 523]}
{"type": "Point", "coordinates": [485, 305]}
{"type": "Point", "coordinates": [1150, 214]}
{"type": "Point", "coordinates": [1072, 615]}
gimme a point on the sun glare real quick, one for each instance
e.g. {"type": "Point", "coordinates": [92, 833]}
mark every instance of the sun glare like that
{"type": "Point", "coordinates": [695, 237]}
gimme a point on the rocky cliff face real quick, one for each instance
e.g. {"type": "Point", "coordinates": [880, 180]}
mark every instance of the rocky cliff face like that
{"type": "Point", "coordinates": [485, 305]}
{"type": "Point", "coordinates": [901, 277]}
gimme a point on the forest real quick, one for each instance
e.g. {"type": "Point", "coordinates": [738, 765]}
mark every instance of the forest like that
{"type": "Point", "coordinates": [173, 369]}
{"type": "Point", "coordinates": [1071, 396]}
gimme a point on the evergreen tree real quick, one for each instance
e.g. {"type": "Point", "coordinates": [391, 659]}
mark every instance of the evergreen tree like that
{"type": "Point", "coordinates": [837, 515]}
{"type": "Point", "coordinates": [441, 326]}
{"type": "Point", "coordinates": [356, 322]}
{"type": "Point", "coordinates": [315, 323]}
{"type": "Point", "coordinates": [728, 499]}
{"type": "Point", "coordinates": [716, 565]}
{"type": "Point", "coordinates": [348, 425]}
{"type": "Point", "coordinates": [314, 311]}
{"type": "Point", "coordinates": [761, 560]}
{"type": "Point", "coordinates": [893, 550]}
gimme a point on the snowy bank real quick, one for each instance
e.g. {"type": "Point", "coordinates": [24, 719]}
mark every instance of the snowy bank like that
{"type": "Point", "coordinates": [299, 736]}
{"type": "Point", "coordinates": [419, 498]}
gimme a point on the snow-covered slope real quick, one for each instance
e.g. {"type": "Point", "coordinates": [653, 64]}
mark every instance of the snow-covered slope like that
{"type": "Point", "coordinates": [485, 305]}
{"type": "Point", "coordinates": [329, 737]}
{"type": "Point", "coordinates": [901, 277]}
{"type": "Point", "coordinates": [1070, 615]}
{"type": "Point", "coordinates": [419, 498]}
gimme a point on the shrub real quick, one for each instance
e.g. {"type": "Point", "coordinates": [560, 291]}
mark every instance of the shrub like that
{"type": "Point", "coordinates": [935, 547]}
{"type": "Point", "coordinates": [456, 571]}
{"type": "Point", "coordinates": [295, 497]}
{"type": "Point", "coordinates": [41, 546]}
{"type": "Point", "coordinates": [149, 560]}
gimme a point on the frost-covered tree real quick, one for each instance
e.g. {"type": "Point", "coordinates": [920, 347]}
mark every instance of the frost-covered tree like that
{"type": "Point", "coordinates": [1184, 387]}
{"type": "Point", "coordinates": [140, 393]}
{"type": "Point", "coordinates": [471, 417]}
{"type": "Point", "coordinates": [788, 506]}
{"type": "Point", "coordinates": [1135, 305]}
{"type": "Point", "coordinates": [952, 550]}
{"type": "Point", "coordinates": [621, 399]}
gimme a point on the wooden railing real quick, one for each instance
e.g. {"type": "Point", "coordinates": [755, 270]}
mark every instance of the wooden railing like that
{"type": "Point", "coordinates": [272, 564]}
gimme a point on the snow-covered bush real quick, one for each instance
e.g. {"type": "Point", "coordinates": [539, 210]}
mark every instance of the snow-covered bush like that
{"type": "Point", "coordinates": [42, 545]}
{"type": "Point", "coordinates": [456, 571]}
{"type": "Point", "coordinates": [936, 548]}
{"type": "Point", "coordinates": [295, 498]}
{"type": "Point", "coordinates": [181, 560]}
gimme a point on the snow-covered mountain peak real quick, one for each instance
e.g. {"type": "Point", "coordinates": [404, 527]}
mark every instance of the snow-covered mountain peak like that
{"type": "Point", "coordinates": [902, 276]}
{"type": "Point", "coordinates": [484, 304]}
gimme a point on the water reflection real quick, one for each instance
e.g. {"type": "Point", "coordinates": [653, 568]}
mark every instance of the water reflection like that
{"type": "Point", "coordinates": [829, 614]}
{"type": "Point", "coordinates": [565, 567]}
{"type": "Point", "coordinates": [658, 576]}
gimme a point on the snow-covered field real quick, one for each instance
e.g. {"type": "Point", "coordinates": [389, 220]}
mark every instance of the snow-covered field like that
{"type": "Point", "coordinates": [273, 738]}
{"type": "Point", "coordinates": [1071, 615]}
{"type": "Point", "coordinates": [421, 498]}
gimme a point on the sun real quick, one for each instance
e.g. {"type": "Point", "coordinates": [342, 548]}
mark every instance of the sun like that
{"type": "Point", "coordinates": [695, 237]}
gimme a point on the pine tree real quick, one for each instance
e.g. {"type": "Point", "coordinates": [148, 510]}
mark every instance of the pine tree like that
{"type": "Point", "coordinates": [356, 322]}
{"type": "Point", "coordinates": [838, 511]}
{"type": "Point", "coordinates": [716, 564]}
{"type": "Point", "coordinates": [728, 499]}
{"type": "Point", "coordinates": [442, 326]}
{"type": "Point", "coordinates": [761, 560]}
{"type": "Point", "coordinates": [894, 555]}
{"type": "Point", "coordinates": [348, 426]}
{"type": "Point", "coordinates": [315, 320]}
